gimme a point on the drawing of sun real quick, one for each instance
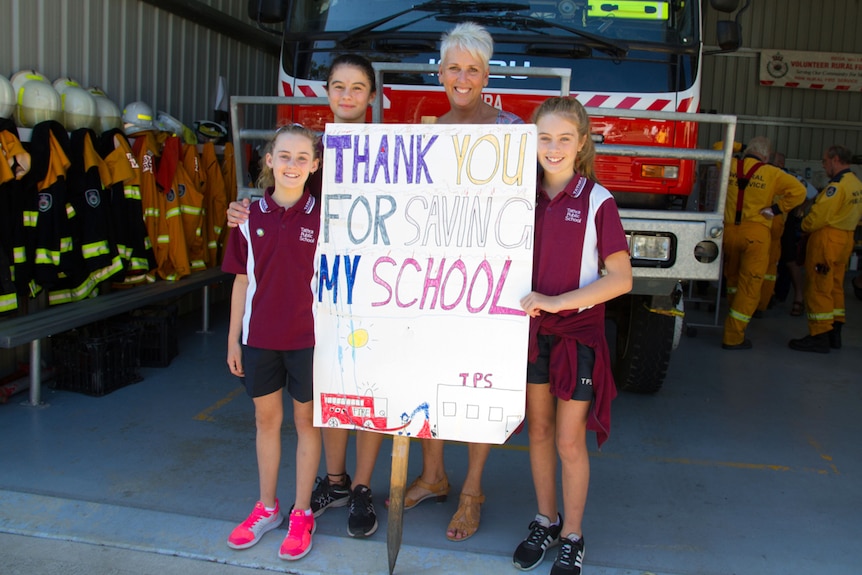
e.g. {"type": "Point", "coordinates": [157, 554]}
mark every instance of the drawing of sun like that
{"type": "Point", "coordinates": [358, 338]}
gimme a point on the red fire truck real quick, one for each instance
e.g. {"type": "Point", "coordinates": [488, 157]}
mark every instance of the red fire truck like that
{"type": "Point", "coordinates": [635, 65]}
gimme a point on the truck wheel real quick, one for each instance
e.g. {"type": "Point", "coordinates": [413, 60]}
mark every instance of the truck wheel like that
{"type": "Point", "coordinates": [643, 345]}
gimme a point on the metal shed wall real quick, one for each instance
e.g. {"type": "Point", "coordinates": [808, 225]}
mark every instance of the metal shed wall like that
{"type": "Point", "coordinates": [800, 122]}
{"type": "Point", "coordinates": [134, 50]}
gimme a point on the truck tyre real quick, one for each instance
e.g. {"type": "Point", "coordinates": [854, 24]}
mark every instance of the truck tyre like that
{"type": "Point", "coordinates": [643, 346]}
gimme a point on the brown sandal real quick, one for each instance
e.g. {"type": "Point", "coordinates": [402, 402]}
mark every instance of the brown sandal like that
{"type": "Point", "coordinates": [797, 308]}
{"type": "Point", "coordinates": [466, 518]}
{"type": "Point", "coordinates": [439, 490]}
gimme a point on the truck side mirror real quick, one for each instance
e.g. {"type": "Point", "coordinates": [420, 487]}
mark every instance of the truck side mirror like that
{"type": "Point", "coordinates": [724, 5]}
{"type": "Point", "coordinates": [268, 11]}
{"type": "Point", "coordinates": [727, 33]}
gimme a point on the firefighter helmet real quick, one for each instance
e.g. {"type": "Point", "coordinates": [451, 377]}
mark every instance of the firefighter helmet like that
{"type": "Point", "coordinates": [79, 108]}
{"type": "Point", "coordinates": [109, 113]}
{"type": "Point", "coordinates": [7, 98]}
{"type": "Point", "coordinates": [138, 117]}
{"type": "Point", "coordinates": [167, 123]}
{"type": "Point", "coordinates": [20, 77]}
{"type": "Point", "coordinates": [210, 132]}
{"type": "Point", "coordinates": [60, 84]}
{"type": "Point", "coordinates": [38, 101]}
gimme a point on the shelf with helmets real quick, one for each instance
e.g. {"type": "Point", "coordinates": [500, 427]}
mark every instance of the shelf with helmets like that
{"type": "Point", "coordinates": [28, 98]}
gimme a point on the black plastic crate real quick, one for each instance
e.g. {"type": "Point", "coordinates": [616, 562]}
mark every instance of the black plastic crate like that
{"type": "Point", "coordinates": [158, 326]}
{"type": "Point", "coordinates": [97, 359]}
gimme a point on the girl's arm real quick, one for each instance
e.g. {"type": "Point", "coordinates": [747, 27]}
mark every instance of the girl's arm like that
{"type": "Point", "coordinates": [234, 335]}
{"type": "Point", "coordinates": [617, 281]}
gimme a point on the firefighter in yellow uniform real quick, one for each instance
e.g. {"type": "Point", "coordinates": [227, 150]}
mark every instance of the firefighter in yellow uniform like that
{"type": "Point", "coordinates": [831, 222]}
{"type": "Point", "coordinates": [757, 192]}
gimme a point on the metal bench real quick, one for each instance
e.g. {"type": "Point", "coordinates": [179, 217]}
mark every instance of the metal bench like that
{"type": "Point", "coordinates": [32, 328]}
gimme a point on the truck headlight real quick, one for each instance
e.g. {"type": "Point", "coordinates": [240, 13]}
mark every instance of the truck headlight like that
{"type": "Point", "coordinates": [652, 248]}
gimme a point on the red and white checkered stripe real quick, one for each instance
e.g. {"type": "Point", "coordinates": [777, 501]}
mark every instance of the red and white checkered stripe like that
{"type": "Point", "coordinates": [664, 102]}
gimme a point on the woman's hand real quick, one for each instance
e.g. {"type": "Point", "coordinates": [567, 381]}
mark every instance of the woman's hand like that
{"type": "Point", "coordinates": [237, 212]}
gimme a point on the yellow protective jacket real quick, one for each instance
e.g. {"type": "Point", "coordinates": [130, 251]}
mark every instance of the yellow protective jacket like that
{"type": "Point", "coordinates": [768, 187]}
{"type": "Point", "coordinates": [838, 206]}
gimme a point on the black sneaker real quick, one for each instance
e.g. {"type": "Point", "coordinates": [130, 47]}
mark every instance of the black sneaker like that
{"type": "Point", "coordinates": [569, 557]}
{"type": "Point", "coordinates": [361, 519]}
{"type": "Point", "coordinates": [326, 495]}
{"type": "Point", "coordinates": [542, 536]}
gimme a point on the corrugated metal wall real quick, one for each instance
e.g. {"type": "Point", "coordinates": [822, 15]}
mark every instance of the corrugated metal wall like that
{"type": "Point", "coordinates": [135, 51]}
{"type": "Point", "coordinates": [800, 122]}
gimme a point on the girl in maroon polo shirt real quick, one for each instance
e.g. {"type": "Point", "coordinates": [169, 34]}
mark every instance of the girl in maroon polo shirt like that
{"type": "Point", "coordinates": [271, 335]}
{"type": "Point", "coordinates": [580, 261]}
{"type": "Point", "coordinates": [350, 87]}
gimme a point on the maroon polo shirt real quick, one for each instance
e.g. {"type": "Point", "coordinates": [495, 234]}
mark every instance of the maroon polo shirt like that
{"type": "Point", "coordinates": [574, 232]}
{"type": "Point", "coordinates": [276, 248]}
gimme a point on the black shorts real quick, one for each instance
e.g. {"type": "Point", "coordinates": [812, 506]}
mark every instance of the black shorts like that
{"type": "Point", "coordinates": [267, 371]}
{"type": "Point", "coordinates": [540, 370]}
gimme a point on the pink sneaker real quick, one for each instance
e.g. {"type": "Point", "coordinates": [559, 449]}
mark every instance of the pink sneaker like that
{"type": "Point", "coordinates": [253, 528]}
{"type": "Point", "coordinates": [297, 544]}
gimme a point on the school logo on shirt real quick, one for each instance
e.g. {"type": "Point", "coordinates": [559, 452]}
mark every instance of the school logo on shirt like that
{"type": "Point", "coordinates": [306, 235]}
{"type": "Point", "coordinates": [573, 215]}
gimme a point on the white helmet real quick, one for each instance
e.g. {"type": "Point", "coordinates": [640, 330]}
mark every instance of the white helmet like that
{"type": "Point", "coordinates": [138, 117]}
{"type": "Point", "coordinates": [7, 98]}
{"type": "Point", "coordinates": [109, 113]}
{"type": "Point", "coordinates": [60, 84]}
{"type": "Point", "coordinates": [19, 78]}
{"type": "Point", "coordinates": [167, 123]}
{"type": "Point", "coordinates": [38, 101]}
{"type": "Point", "coordinates": [79, 108]}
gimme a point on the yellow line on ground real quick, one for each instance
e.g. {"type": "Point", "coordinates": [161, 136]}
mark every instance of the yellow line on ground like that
{"type": "Point", "coordinates": [824, 456]}
{"type": "Point", "coordinates": [206, 415]}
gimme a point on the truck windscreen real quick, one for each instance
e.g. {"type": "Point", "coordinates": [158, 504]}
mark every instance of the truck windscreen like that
{"type": "Point", "coordinates": [609, 46]}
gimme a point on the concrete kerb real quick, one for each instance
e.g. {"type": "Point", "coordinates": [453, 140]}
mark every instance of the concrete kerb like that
{"type": "Point", "coordinates": [195, 538]}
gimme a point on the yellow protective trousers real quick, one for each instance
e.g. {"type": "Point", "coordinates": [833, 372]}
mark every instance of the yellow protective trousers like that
{"type": "Point", "coordinates": [746, 256]}
{"type": "Point", "coordinates": [826, 260]}
{"type": "Point", "coordinates": [767, 288]}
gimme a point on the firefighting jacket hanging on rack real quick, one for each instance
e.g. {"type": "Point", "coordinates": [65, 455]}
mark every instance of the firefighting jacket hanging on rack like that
{"type": "Point", "coordinates": [14, 164]}
{"type": "Point", "coordinates": [215, 203]}
{"type": "Point", "coordinates": [49, 242]}
{"type": "Point", "coordinates": [127, 211]}
{"type": "Point", "coordinates": [180, 190]}
{"type": "Point", "coordinates": [161, 214]}
{"type": "Point", "coordinates": [95, 253]}
{"type": "Point", "coordinates": [192, 204]}
{"type": "Point", "coordinates": [228, 170]}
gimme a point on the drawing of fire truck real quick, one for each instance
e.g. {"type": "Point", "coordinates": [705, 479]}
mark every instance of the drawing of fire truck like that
{"type": "Point", "coordinates": [353, 410]}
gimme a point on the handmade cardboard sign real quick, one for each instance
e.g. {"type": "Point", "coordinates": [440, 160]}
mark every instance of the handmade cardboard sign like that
{"type": "Point", "coordinates": [425, 250]}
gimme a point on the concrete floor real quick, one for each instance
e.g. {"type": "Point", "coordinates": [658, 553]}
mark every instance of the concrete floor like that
{"type": "Point", "coordinates": [746, 462]}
